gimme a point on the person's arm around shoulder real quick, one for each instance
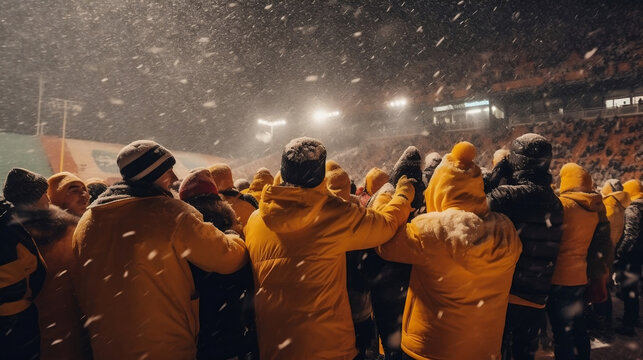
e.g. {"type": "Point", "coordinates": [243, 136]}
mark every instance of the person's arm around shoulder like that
{"type": "Point", "coordinates": [370, 228]}
{"type": "Point", "coordinates": [406, 247]}
{"type": "Point", "coordinates": [206, 247]}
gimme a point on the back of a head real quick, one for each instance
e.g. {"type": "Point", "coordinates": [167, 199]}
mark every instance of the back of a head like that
{"type": "Point", "coordinates": [198, 182]}
{"type": "Point", "coordinates": [634, 189]}
{"type": "Point", "coordinates": [95, 187]}
{"type": "Point", "coordinates": [24, 187]}
{"type": "Point", "coordinates": [241, 184]}
{"type": "Point", "coordinates": [457, 183]}
{"type": "Point", "coordinates": [375, 179]}
{"type": "Point", "coordinates": [530, 152]}
{"type": "Point", "coordinates": [222, 175]}
{"type": "Point", "coordinates": [261, 178]}
{"type": "Point", "coordinates": [410, 165]}
{"type": "Point", "coordinates": [499, 155]}
{"type": "Point", "coordinates": [431, 161]}
{"type": "Point", "coordinates": [144, 161]}
{"type": "Point", "coordinates": [611, 186]}
{"type": "Point", "coordinates": [574, 177]}
{"type": "Point", "coordinates": [338, 181]}
{"type": "Point", "coordinates": [303, 162]}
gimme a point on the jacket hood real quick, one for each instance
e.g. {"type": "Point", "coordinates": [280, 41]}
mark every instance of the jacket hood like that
{"type": "Point", "coordinates": [261, 179]}
{"type": "Point", "coordinates": [574, 177]}
{"type": "Point", "coordinates": [222, 175]}
{"type": "Point", "coordinates": [46, 225]}
{"type": "Point", "coordinates": [457, 183]}
{"type": "Point", "coordinates": [286, 209]}
{"type": "Point", "coordinates": [620, 197]}
{"type": "Point", "coordinates": [472, 241]}
{"type": "Point", "coordinates": [634, 188]}
{"type": "Point", "coordinates": [374, 180]}
{"type": "Point", "coordinates": [589, 201]}
{"type": "Point", "coordinates": [339, 184]}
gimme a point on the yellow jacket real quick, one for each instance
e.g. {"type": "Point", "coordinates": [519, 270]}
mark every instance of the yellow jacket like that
{"type": "Point", "coordinates": [297, 243]}
{"type": "Point", "coordinates": [463, 260]}
{"type": "Point", "coordinates": [615, 205]}
{"type": "Point", "coordinates": [135, 285]}
{"type": "Point", "coordinates": [261, 179]}
{"type": "Point", "coordinates": [580, 217]}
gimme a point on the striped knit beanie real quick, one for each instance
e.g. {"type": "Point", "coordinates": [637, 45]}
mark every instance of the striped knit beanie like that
{"type": "Point", "coordinates": [144, 160]}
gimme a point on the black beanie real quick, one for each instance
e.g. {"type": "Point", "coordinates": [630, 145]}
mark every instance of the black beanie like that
{"type": "Point", "coordinates": [23, 187]}
{"type": "Point", "coordinates": [530, 152]}
{"type": "Point", "coordinates": [303, 162]}
{"type": "Point", "coordinates": [410, 164]}
{"type": "Point", "coordinates": [144, 160]}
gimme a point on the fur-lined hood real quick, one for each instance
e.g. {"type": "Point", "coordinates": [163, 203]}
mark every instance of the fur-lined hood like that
{"type": "Point", "coordinates": [46, 225]}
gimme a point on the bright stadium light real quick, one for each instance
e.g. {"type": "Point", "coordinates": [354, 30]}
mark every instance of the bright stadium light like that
{"type": "Point", "coordinates": [271, 124]}
{"type": "Point", "coordinates": [321, 115]}
{"type": "Point", "coordinates": [398, 103]}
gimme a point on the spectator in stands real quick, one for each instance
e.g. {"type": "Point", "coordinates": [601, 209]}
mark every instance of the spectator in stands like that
{"type": "Point", "coordinates": [616, 201]}
{"type": "Point", "coordinates": [133, 246]}
{"type": "Point", "coordinates": [585, 250]}
{"type": "Point", "coordinates": [297, 243]}
{"type": "Point", "coordinates": [95, 187]}
{"type": "Point", "coordinates": [241, 184]}
{"type": "Point", "coordinates": [463, 260]}
{"type": "Point", "coordinates": [629, 253]}
{"type": "Point", "coordinates": [68, 192]}
{"type": "Point", "coordinates": [226, 329]}
{"type": "Point", "coordinates": [242, 204]}
{"type": "Point", "coordinates": [431, 161]}
{"type": "Point", "coordinates": [537, 214]}
{"type": "Point", "coordinates": [261, 179]}
{"type": "Point", "coordinates": [51, 228]}
{"type": "Point", "coordinates": [374, 180]}
{"type": "Point", "coordinates": [22, 272]}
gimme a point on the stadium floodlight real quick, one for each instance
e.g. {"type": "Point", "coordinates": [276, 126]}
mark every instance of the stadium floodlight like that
{"type": "Point", "coordinates": [321, 115]}
{"type": "Point", "coordinates": [271, 124]}
{"type": "Point", "coordinates": [398, 103]}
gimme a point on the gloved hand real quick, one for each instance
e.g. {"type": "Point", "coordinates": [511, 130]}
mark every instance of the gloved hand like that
{"type": "Point", "coordinates": [405, 188]}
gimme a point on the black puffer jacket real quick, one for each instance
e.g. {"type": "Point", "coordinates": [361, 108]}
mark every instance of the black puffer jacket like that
{"type": "Point", "coordinates": [629, 251]}
{"type": "Point", "coordinates": [537, 214]}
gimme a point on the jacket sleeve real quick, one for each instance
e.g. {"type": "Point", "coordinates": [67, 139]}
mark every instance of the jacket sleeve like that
{"type": "Point", "coordinates": [208, 248]}
{"type": "Point", "coordinates": [370, 228]}
{"type": "Point", "coordinates": [406, 247]}
{"type": "Point", "coordinates": [628, 248]}
{"type": "Point", "coordinates": [601, 252]}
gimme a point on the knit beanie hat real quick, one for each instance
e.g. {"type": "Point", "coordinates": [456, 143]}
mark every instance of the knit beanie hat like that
{"type": "Point", "coordinates": [198, 182]}
{"type": "Point", "coordinates": [58, 185]}
{"type": "Point", "coordinates": [241, 184]}
{"type": "Point", "coordinates": [375, 179]}
{"type": "Point", "coordinates": [144, 160]}
{"type": "Point", "coordinates": [574, 177]}
{"type": "Point", "coordinates": [530, 152]}
{"type": "Point", "coordinates": [457, 183]}
{"type": "Point", "coordinates": [23, 187]}
{"type": "Point", "coordinates": [95, 187]}
{"type": "Point", "coordinates": [338, 181]}
{"type": "Point", "coordinates": [610, 186]}
{"type": "Point", "coordinates": [410, 164]}
{"type": "Point", "coordinates": [303, 162]}
{"type": "Point", "coordinates": [431, 161]}
{"type": "Point", "coordinates": [222, 175]}
{"type": "Point", "coordinates": [634, 188]}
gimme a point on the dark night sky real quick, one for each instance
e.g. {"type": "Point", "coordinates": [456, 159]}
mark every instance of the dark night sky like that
{"type": "Point", "coordinates": [195, 75]}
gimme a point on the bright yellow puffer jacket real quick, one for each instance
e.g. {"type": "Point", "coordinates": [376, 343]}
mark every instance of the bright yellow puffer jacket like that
{"type": "Point", "coordinates": [297, 243]}
{"type": "Point", "coordinates": [134, 282]}
{"type": "Point", "coordinates": [615, 204]}
{"type": "Point", "coordinates": [581, 209]}
{"type": "Point", "coordinates": [463, 260]}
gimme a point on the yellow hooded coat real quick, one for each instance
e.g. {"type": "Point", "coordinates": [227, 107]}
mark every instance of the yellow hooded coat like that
{"type": "Point", "coordinates": [581, 215]}
{"type": "Point", "coordinates": [222, 175]}
{"type": "Point", "coordinates": [134, 282]}
{"type": "Point", "coordinates": [261, 179]}
{"type": "Point", "coordinates": [463, 260]}
{"type": "Point", "coordinates": [297, 243]}
{"type": "Point", "coordinates": [615, 204]}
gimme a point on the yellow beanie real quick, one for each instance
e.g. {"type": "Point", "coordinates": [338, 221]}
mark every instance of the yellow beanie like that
{"type": "Point", "coordinates": [634, 188]}
{"type": "Point", "coordinates": [222, 175]}
{"type": "Point", "coordinates": [375, 179]}
{"type": "Point", "coordinates": [58, 185]}
{"type": "Point", "coordinates": [457, 183]}
{"type": "Point", "coordinates": [261, 179]}
{"type": "Point", "coordinates": [574, 177]}
{"type": "Point", "coordinates": [337, 181]}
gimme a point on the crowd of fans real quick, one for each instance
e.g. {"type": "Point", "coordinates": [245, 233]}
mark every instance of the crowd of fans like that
{"type": "Point", "coordinates": [434, 257]}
